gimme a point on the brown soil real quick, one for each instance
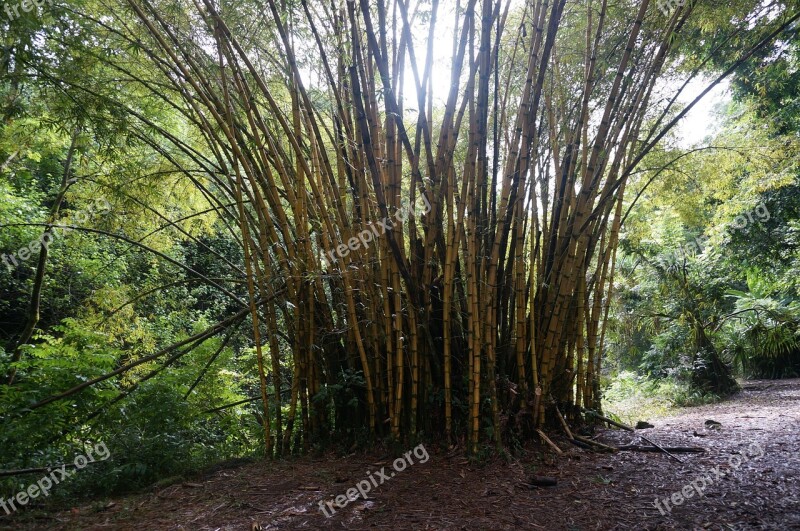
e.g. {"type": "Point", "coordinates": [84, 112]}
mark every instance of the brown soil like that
{"type": "Point", "coordinates": [594, 491]}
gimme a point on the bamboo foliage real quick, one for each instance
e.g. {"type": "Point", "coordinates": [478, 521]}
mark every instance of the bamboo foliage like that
{"type": "Point", "coordinates": [436, 317]}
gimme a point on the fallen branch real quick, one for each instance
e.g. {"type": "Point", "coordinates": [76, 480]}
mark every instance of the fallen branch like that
{"type": "Point", "coordinates": [628, 428]}
{"type": "Point", "coordinates": [546, 439]}
{"type": "Point", "coordinates": [609, 421]}
{"type": "Point", "coordinates": [645, 439]}
{"type": "Point", "coordinates": [594, 443]}
{"type": "Point", "coordinates": [580, 444]}
{"type": "Point", "coordinates": [564, 424]}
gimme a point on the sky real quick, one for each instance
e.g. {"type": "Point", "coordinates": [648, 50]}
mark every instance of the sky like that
{"type": "Point", "coordinates": [698, 124]}
{"type": "Point", "coordinates": [701, 120]}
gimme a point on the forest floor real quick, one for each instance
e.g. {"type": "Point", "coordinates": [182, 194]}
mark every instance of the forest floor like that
{"type": "Point", "coordinates": [751, 467]}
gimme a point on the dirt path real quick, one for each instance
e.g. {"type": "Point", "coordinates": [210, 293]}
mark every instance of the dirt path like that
{"type": "Point", "coordinates": [751, 468]}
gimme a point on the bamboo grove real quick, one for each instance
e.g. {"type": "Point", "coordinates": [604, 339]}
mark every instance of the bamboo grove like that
{"type": "Point", "coordinates": [473, 317]}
